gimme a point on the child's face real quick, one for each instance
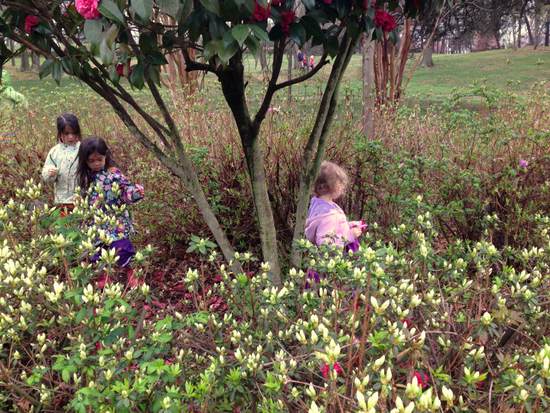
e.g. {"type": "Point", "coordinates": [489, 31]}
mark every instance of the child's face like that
{"type": "Point", "coordinates": [339, 190]}
{"type": "Point", "coordinates": [96, 162]}
{"type": "Point", "coordinates": [68, 136]}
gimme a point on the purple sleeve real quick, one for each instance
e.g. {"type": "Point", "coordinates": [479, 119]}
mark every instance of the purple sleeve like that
{"type": "Point", "coordinates": [129, 192]}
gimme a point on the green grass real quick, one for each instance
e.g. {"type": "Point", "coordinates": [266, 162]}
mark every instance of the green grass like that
{"type": "Point", "coordinates": [514, 70]}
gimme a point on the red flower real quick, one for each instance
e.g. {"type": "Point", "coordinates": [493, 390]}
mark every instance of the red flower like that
{"type": "Point", "coordinates": [325, 369]}
{"type": "Point", "coordinates": [30, 22]}
{"type": "Point", "coordinates": [120, 69]}
{"type": "Point", "coordinates": [422, 379]}
{"type": "Point", "coordinates": [407, 322]}
{"type": "Point", "coordinates": [88, 9]}
{"type": "Point", "coordinates": [384, 20]}
{"type": "Point", "coordinates": [327, 1]}
{"type": "Point", "coordinates": [277, 3]}
{"type": "Point", "coordinates": [287, 18]}
{"type": "Point", "coordinates": [260, 13]}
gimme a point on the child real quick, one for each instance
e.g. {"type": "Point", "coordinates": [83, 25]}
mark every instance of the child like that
{"type": "Point", "coordinates": [326, 223]}
{"type": "Point", "coordinates": [311, 62]}
{"type": "Point", "coordinates": [61, 162]}
{"type": "Point", "coordinates": [97, 174]}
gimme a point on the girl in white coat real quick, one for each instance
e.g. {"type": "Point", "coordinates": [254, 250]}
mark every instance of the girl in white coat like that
{"type": "Point", "coordinates": [61, 162]}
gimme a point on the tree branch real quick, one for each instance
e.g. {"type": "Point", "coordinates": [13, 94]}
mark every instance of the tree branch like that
{"type": "Point", "coordinates": [324, 61]}
{"type": "Point", "coordinates": [278, 53]}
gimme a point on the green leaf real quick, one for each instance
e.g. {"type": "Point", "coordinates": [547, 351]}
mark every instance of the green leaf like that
{"type": "Point", "coordinates": [57, 70]}
{"type": "Point", "coordinates": [137, 77]}
{"type": "Point", "coordinates": [143, 8]}
{"type": "Point", "coordinates": [298, 33]}
{"type": "Point", "coordinates": [212, 6]}
{"type": "Point", "coordinates": [93, 30]}
{"type": "Point", "coordinates": [109, 9]}
{"type": "Point", "coordinates": [240, 33]}
{"type": "Point", "coordinates": [45, 69]}
{"type": "Point", "coordinates": [170, 7]}
{"type": "Point", "coordinates": [106, 53]}
{"type": "Point", "coordinates": [226, 53]}
{"type": "Point", "coordinates": [260, 33]}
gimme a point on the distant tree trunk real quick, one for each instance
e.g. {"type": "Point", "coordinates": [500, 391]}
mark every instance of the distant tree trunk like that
{"type": "Point", "coordinates": [369, 89]}
{"type": "Point", "coordinates": [520, 21]}
{"type": "Point", "coordinates": [263, 57]}
{"type": "Point", "coordinates": [35, 62]}
{"type": "Point", "coordinates": [24, 62]}
{"type": "Point", "coordinates": [427, 56]}
{"type": "Point", "coordinates": [12, 46]}
{"type": "Point", "coordinates": [289, 73]}
{"type": "Point", "coordinates": [547, 36]}
{"type": "Point", "coordinates": [531, 38]}
{"type": "Point", "coordinates": [537, 32]}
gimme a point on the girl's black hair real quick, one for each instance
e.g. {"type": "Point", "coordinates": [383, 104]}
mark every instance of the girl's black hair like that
{"type": "Point", "coordinates": [88, 147]}
{"type": "Point", "coordinates": [67, 119]}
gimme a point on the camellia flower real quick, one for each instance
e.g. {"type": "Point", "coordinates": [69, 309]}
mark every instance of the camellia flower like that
{"type": "Point", "coordinates": [260, 12]}
{"type": "Point", "coordinates": [88, 9]}
{"type": "Point", "coordinates": [287, 18]}
{"type": "Point", "coordinates": [119, 69]}
{"type": "Point", "coordinates": [384, 20]}
{"type": "Point", "coordinates": [30, 23]}
{"type": "Point", "coordinates": [277, 3]}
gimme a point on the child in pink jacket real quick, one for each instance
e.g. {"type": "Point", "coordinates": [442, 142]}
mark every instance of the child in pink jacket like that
{"type": "Point", "coordinates": [326, 222]}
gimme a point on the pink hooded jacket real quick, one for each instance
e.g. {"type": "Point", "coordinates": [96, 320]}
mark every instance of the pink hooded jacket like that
{"type": "Point", "coordinates": [326, 223]}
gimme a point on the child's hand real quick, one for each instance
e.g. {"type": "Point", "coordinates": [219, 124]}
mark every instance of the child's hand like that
{"type": "Point", "coordinates": [357, 227]}
{"type": "Point", "coordinates": [53, 171]}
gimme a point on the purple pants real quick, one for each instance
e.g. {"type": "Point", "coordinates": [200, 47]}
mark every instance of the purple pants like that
{"type": "Point", "coordinates": [124, 250]}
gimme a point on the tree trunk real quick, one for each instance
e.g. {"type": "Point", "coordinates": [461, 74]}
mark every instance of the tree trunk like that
{"type": "Point", "coordinates": [547, 35]}
{"type": "Point", "coordinates": [12, 47]}
{"type": "Point", "coordinates": [539, 9]}
{"type": "Point", "coordinates": [290, 57]}
{"type": "Point", "coordinates": [232, 82]}
{"type": "Point", "coordinates": [427, 56]}
{"type": "Point", "coordinates": [24, 62]}
{"type": "Point", "coordinates": [531, 38]}
{"type": "Point", "coordinates": [35, 62]}
{"type": "Point", "coordinates": [369, 89]}
{"type": "Point", "coordinates": [263, 57]}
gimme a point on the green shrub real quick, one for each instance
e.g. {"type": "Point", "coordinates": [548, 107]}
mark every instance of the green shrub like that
{"type": "Point", "coordinates": [468, 320]}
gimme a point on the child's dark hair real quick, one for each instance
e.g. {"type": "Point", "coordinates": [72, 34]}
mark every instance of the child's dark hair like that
{"type": "Point", "coordinates": [67, 119]}
{"type": "Point", "coordinates": [88, 147]}
{"type": "Point", "coordinates": [329, 176]}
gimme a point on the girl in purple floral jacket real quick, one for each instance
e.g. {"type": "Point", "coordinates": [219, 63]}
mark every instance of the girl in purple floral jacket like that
{"type": "Point", "coordinates": [107, 188]}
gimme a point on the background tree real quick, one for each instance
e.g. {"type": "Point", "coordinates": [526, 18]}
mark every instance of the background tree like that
{"type": "Point", "coordinates": [123, 39]}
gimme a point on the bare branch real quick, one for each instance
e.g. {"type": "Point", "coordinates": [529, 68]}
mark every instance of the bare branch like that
{"type": "Point", "coordinates": [324, 61]}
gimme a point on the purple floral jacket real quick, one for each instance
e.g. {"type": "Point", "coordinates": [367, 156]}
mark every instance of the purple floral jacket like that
{"type": "Point", "coordinates": [112, 189]}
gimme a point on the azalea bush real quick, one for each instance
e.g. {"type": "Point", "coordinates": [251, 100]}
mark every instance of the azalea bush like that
{"type": "Point", "coordinates": [398, 326]}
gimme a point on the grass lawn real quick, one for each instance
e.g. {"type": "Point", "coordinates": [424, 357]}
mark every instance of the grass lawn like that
{"type": "Point", "coordinates": [515, 70]}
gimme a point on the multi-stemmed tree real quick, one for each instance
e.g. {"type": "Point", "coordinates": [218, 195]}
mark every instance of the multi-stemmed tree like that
{"type": "Point", "coordinates": [100, 41]}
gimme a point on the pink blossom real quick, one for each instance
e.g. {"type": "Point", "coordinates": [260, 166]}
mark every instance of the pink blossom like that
{"type": "Point", "coordinates": [88, 9]}
{"type": "Point", "coordinates": [523, 163]}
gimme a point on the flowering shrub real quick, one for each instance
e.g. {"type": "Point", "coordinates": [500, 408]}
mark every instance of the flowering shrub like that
{"type": "Point", "coordinates": [400, 326]}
